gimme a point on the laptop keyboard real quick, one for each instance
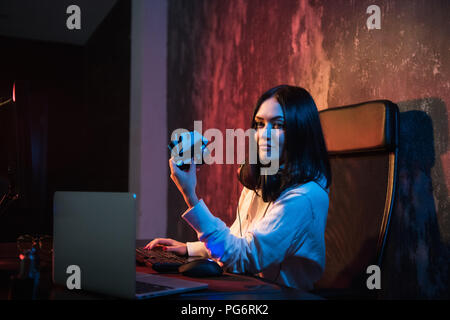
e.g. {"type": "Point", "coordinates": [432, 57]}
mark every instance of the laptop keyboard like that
{"type": "Point", "coordinates": [158, 256]}
{"type": "Point", "coordinates": [143, 287]}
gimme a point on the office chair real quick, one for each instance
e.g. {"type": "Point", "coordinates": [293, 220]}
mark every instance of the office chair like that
{"type": "Point", "coordinates": [362, 143]}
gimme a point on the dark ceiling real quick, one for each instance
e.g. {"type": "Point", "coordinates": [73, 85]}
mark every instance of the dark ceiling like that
{"type": "Point", "coordinates": [45, 20]}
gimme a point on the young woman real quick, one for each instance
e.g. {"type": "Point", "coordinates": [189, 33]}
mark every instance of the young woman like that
{"type": "Point", "coordinates": [279, 229]}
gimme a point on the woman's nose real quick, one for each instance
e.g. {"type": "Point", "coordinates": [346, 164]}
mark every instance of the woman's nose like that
{"type": "Point", "coordinates": [266, 132]}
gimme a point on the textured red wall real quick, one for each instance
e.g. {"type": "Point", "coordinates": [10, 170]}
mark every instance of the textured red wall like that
{"type": "Point", "coordinates": [224, 54]}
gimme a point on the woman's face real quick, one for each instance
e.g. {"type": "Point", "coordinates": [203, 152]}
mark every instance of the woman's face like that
{"type": "Point", "coordinates": [269, 117]}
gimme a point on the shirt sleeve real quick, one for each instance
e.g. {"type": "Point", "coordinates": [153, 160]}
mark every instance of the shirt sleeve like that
{"type": "Point", "coordinates": [236, 225]}
{"type": "Point", "coordinates": [197, 249]}
{"type": "Point", "coordinates": [285, 224]}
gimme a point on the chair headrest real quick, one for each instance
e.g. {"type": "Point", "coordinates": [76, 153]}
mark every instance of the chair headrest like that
{"type": "Point", "coordinates": [367, 126]}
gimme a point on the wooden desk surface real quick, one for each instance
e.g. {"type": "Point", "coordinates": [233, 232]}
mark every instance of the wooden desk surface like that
{"type": "Point", "coordinates": [225, 287]}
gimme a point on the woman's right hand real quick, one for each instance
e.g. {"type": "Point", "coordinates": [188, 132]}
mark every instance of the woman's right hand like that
{"type": "Point", "coordinates": [170, 245]}
{"type": "Point", "coordinates": [186, 181]}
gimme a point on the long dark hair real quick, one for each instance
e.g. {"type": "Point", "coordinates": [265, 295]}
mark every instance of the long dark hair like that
{"type": "Point", "coordinates": [304, 153]}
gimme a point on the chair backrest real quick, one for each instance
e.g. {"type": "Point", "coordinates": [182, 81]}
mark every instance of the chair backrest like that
{"type": "Point", "coordinates": [362, 143]}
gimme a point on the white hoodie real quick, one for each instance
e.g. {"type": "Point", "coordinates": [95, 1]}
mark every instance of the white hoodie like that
{"type": "Point", "coordinates": [283, 241]}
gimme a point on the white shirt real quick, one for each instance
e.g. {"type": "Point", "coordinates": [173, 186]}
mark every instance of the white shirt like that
{"type": "Point", "coordinates": [286, 244]}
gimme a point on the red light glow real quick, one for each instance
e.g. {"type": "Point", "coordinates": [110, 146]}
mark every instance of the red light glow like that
{"type": "Point", "coordinates": [14, 92]}
{"type": "Point", "coordinates": [21, 256]}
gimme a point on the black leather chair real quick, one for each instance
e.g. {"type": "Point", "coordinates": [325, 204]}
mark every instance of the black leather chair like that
{"type": "Point", "coordinates": [362, 142]}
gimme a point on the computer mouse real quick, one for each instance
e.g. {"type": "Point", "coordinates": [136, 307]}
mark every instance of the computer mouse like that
{"type": "Point", "coordinates": [201, 268]}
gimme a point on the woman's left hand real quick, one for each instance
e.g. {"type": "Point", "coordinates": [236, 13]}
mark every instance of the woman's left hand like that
{"type": "Point", "coordinates": [186, 181]}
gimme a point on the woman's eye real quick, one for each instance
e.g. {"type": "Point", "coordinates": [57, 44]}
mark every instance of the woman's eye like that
{"type": "Point", "coordinates": [259, 124]}
{"type": "Point", "coordinates": [278, 126]}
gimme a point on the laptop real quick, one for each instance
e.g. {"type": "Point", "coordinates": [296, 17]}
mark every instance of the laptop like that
{"type": "Point", "coordinates": [94, 239]}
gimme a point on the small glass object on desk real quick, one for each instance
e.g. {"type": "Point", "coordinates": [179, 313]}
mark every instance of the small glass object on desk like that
{"type": "Point", "coordinates": [34, 254]}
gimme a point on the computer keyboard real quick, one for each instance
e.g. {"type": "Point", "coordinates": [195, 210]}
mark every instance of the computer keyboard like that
{"type": "Point", "coordinates": [161, 261]}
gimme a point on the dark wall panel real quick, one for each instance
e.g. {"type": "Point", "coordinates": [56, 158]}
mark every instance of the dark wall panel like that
{"type": "Point", "coordinates": [74, 113]}
{"type": "Point", "coordinates": [48, 80]}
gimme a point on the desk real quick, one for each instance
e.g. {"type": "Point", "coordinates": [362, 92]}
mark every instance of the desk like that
{"type": "Point", "coordinates": [220, 288]}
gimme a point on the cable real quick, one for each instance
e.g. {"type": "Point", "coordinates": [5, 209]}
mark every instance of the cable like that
{"type": "Point", "coordinates": [5, 102]}
{"type": "Point", "coordinates": [240, 227]}
{"type": "Point", "coordinates": [240, 231]}
{"type": "Point", "coordinates": [239, 215]}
